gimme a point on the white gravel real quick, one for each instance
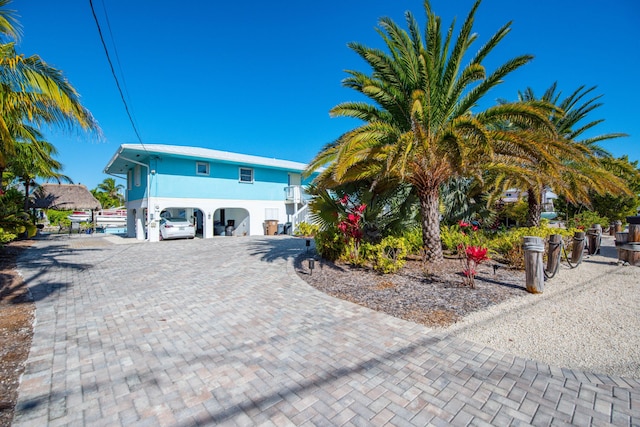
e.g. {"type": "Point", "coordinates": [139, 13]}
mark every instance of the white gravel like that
{"type": "Point", "coordinates": [587, 318]}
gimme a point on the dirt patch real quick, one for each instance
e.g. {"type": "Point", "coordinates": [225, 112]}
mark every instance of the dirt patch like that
{"type": "Point", "coordinates": [17, 312]}
{"type": "Point", "coordinates": [432, 294]}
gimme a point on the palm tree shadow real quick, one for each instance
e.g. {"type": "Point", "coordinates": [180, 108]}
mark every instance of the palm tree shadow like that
{"type": "Point", "coordinates": [37, 262]}
{"type": "Point", "coordinates": [273, 249]}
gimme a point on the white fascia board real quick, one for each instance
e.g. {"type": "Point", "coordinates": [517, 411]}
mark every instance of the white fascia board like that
{"type": "Point", "coordinates": [206, 153]}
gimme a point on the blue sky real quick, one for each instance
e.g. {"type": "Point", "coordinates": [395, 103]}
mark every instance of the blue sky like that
{"type": "Point", "coordinates": [260, 77]}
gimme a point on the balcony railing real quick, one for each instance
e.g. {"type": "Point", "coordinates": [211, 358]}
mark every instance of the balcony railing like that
{"type": "Point", "coordinates": [293, 194]}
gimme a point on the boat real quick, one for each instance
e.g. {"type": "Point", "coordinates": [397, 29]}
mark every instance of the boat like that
{"type": "Point", "coordinates": [114, 216]}
{"type": "Point", "coordinates": [80, 216]}
{"type": "Point", "coordinates": [104, 217]}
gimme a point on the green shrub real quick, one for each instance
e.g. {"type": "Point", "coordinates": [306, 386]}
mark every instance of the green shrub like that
{"type": "Point", "coordinates": [413, 240]}
{"type": "Point", "coordinates": [330, 244]}
{"type": "Point", "coordinates": [56, 216]}
{"type": "Point", "coordinates": [306, 229]}
{"type": "Point", "coordinates": [6, 237]}
{"type": "Point", "coordinates": [508, 244]}
{"type": "Point", "coordinates": [452, 236]}
{"type": "Point", "coordinates": [586, 219]}
{"type": "Point", "coordinates": [390, 255]}
{"type": "Point", "coordinates": [517, 211]}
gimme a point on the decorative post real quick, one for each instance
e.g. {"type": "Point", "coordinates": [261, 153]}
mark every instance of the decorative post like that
{"type": "Point", "coordinates": [634, 233]}
{"type": "Point", "coordinates": [555, 243]}
{"type": "Point", "coordinates": [618, 226]}
{"type": "Point", "coordinates": [621, 241]}
{"type": "Point", "coordinates": [533, 265]}
{"type": "Point", "coordinates": [578, 246]}
{"type": "Point", "coordinates": [594, 234]}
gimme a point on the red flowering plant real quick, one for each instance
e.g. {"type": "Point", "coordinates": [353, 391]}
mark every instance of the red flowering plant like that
{"type": "Point", "coordinates": [470, 254]}
{"type": "Point", "coordinates": [350, 224]}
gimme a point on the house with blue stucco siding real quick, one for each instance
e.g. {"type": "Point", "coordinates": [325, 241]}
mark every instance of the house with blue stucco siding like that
{"type": "Point", "coordinates": [222, 193]}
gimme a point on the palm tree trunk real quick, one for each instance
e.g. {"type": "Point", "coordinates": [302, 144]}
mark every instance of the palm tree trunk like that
{"type": "Point", "coordinates": [430, 212]}
{"type": "Point", "coordinates": [26, 195]}
{"type": "Point", "coordinates": [535, 207]}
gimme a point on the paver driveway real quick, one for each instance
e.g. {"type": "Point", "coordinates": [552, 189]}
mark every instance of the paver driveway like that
{"type": "Point", "coordinates": [222, 331]}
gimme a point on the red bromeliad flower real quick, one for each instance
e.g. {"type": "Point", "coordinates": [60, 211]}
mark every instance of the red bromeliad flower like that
{"type": "Point", "coordinates": [351, 222]}
{"type": "Point", "coordinates": [353, 218]}
{"type": "Point", "coordinates": [476, 254]}
{"type": "Point", "coordinates": [463, 224]}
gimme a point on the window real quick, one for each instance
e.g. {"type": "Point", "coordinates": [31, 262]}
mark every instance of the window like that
{"type": "Point", "coordinates": [246, 175]}
{"type": "Point", "coordinates": [202, 168]}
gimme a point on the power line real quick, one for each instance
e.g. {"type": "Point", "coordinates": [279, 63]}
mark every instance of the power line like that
{"type": "Point", "coordinates": [106, 51]}
{"type": "Point", "coordinates": [115, 50]}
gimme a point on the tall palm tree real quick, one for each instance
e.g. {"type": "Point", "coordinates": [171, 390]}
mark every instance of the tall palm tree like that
{"type": "Point", "coordinates": [32, 94]}
{"type": "Point", "coordinates": [580, 171]}
{"type": "Point", "coordinates": [420, 127]}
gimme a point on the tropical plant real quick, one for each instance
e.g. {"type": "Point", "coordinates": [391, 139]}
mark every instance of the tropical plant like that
{"type": "Point", "coordinates": [507, 245]}
{"type": "Point", "coordinates": [306, 229]}
{"type": "Point", "coordinates": [463, 199]}
{"type": "Point", "coordinates": [35, 160]}
{"type": "Point", "coordinates": [329, 243]}
{"type": "Point", "coordinates": [56, 217]}
{"type": "Point", "coordinates": [32, 94]}
{"type": "Point", "coordinates": [618, 207]}
{"type": "Point", "coordinates": [110, 187]}
{"type": "Point", "coordinates": [420, 128]}
{"type": "Point", "coordinates": [585, 219]}
{"type": "Point", "coordinates": [13, 220]}
{"type": "Point", "coordinates": [390, 255]}
{"type": "Point", "coordinates": [390, 208]}
{"type": "Point", "coordinates": [109, 193]}
{"type": "Point", "coordinates": [472, 257]}
{"type": "Point", "coordinates": [580, 172]}
{"type": "Point", "coordinates": [351, 224]}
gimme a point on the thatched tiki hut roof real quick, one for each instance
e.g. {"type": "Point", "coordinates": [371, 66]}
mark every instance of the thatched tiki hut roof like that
{"type": "Point", "coordinates": [64, 197]}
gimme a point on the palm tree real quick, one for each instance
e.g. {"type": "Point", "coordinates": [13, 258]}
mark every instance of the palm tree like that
{"type": "Point", "coordinates": [580, 171]}
{"type": "Point", "coordinates": [32, 94]}
{"type": "Point", "coordinates": [111, 192]}
{"type": "Point", "coordinates": [420, 128]}
{"type": "Point", "coordinates": [35, 160]}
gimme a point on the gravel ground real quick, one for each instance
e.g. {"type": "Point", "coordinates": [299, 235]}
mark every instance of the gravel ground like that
{"type": "Point", "coordinates": [587, 318]}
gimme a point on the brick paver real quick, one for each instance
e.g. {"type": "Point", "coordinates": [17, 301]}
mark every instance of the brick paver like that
{"type": "Point", "coordinates": [222, 332]}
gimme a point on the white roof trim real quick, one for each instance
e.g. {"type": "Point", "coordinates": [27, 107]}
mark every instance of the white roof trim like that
{"type": "Point", "coordinates": [206, 153]}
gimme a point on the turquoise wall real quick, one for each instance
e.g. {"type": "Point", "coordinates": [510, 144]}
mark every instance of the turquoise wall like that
{"type": "Point", "coordinates": [176, 177]}
{"type": "Point", "coordinates": [138, 192]}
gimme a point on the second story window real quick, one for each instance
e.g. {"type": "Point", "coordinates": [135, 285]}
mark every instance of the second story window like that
{"type": "Point", "coordinates": [202, 168]}
{"type": "Point", "coordinates": [246, 175]}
